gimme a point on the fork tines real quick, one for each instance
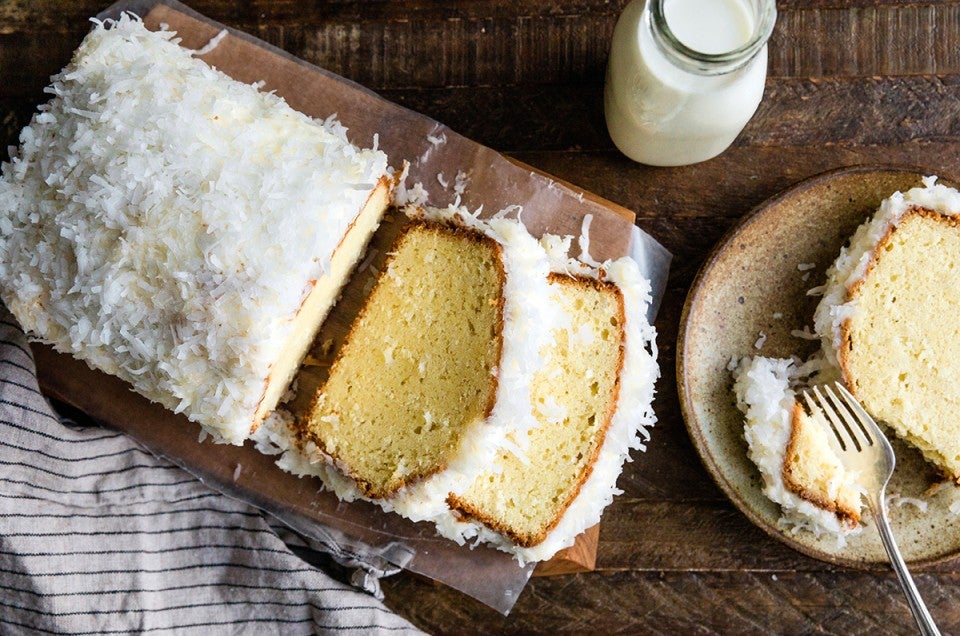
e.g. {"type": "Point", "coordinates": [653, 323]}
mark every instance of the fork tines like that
{"type": "Point", "coordinates": [851, 424]}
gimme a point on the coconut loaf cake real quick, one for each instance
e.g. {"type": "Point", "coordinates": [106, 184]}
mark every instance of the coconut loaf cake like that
{"type": "Point", "coordinates": [886, 319]}
{"type": "Point", "coordinates": [179, 229]}
{"type": "Point", "coordinates": [572, 388]}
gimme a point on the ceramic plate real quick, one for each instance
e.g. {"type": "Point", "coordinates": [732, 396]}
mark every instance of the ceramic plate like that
{"type": "Point", "coordinates": [752, 291]}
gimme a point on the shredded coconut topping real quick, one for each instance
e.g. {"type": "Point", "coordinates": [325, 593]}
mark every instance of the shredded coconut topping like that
{"type": "Point", "coordinates": [583, 241]}
{"type": "Point", "coordinates": [760, 341]}
{"type": "Point", "coordinates": [164, 222]}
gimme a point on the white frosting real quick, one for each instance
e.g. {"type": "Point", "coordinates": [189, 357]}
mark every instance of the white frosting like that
{"type": "Point", "coordinates": [276, 437]}
{"type": "Point", "coordinates": [851, 265]}
{"type": "Point", "coordinates": [164, 222]}
{"type": "Point", "coordinates": [765, 394]}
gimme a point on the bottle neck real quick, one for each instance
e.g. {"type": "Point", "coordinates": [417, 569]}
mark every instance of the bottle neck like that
{"type": "Point", "coordinates": [762, 14]}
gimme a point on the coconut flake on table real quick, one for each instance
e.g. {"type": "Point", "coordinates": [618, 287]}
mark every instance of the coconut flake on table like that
{"type": "Point", "coordinates": [211, 45]}
{"type": "Point", "coordinates": [583, 242]}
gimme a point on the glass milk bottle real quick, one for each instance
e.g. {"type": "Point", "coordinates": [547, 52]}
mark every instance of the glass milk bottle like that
{"type": "Point", "coordinates": [685, 76]}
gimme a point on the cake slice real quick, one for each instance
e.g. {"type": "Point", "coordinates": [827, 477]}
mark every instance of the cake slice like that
{"type": "Point", "coordinates": [887, 319]}
{"type": "Point", "coordinates": [813, 471]}
{"type": "Point", "coordinates": [800, 469]}
{"type": "Point", "coordinates": [534, 481]}
{"type": "Point", "coordinates": [419, 364]}
{"type": "Point", "coordinates": [179, 229]}
{"type": "Point", "coordinates": [593, 400]}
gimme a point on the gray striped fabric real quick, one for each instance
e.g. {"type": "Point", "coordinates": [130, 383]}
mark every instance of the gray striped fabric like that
{"type": "Point", "coordinates": [98, 536]}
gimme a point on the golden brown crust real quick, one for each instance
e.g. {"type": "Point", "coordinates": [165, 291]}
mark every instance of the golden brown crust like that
{"type": "Point", "coordinates": [302, 430]}
{"type": "Point", "coordinates": [843, 513]}
{"type": "Point", "coordinates": [529, 540]}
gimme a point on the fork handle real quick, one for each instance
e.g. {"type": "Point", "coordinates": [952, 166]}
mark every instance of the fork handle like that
{"type": "Point", "coordinates": [917, 606]}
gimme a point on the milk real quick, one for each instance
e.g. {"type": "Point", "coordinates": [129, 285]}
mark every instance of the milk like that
{"type": "Point", "coordinates": [710, 26]}
{"type": "Point", "coordinates": [685, 76]}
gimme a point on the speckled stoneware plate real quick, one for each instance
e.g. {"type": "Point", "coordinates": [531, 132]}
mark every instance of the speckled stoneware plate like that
{"type": "Point", "coordinates": [753, 288]}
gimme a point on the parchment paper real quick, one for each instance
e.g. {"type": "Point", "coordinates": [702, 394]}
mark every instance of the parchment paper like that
{"type": "Point", "coordinates": [493, 181]}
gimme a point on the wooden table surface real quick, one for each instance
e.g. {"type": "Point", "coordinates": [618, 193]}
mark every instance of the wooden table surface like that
{"type": "Point", "coordinates": [850, 82]}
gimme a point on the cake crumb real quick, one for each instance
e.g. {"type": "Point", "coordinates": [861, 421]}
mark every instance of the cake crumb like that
{"type": "Point", "coordinates": [803, 267]}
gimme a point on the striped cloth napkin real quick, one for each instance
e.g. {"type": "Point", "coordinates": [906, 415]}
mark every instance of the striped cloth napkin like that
{"type": "Point", "coordinates": [98, 536]}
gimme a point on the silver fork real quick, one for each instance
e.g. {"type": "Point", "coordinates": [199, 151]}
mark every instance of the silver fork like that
{"type": "Point", "coordinates": [864, 448]}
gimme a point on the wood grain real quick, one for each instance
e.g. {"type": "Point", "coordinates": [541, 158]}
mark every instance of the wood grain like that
{"type": "Point", "coordinates": [416, 45]}
{"type": "Point", "coordinates": [850, 82]}
{"type": "Point", "coordinates": [678, 602]}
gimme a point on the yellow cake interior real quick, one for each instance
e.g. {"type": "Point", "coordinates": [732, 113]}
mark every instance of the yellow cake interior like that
{"type": "Point", "coordinates": [900, 353]}
{"type": "Point", "coordinates": [523, 498]}
{"type": "Point", "coordinates": [812, 470]}
{"type": "Point", "coordinates": [417, 368]}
